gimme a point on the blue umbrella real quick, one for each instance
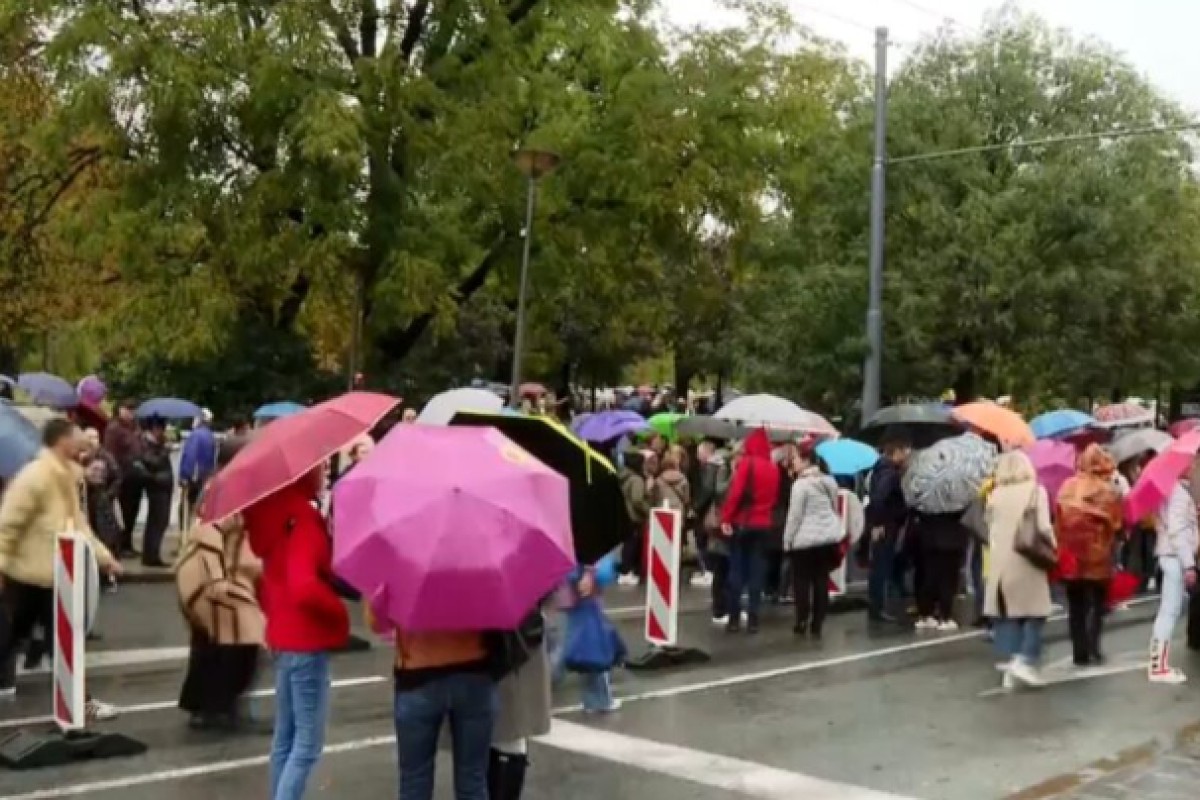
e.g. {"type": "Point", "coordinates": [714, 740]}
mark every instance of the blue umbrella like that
{"type": "Point", "coordinates": [1060, 423]}
{"type": "Point", "coordinates": [47, 390]}
{"type": "Point", "coordinates": [607, 425]}
{"type": "Point", "coordinates": [168, 408]}
{"type": "Point", "coordinates": [847, 457]}
{"type": "Point", "coordinates": [278, 410]}
{"type": "Point", "coordinates": [19, 441]}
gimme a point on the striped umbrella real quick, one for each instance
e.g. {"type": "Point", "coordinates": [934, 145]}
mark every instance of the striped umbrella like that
{"type": "Point", "coordinates": [1119, 415]}
{"type": "Point", "coordinates": [949, 475]}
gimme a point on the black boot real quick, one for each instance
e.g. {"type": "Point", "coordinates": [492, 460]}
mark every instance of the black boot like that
{"type": "Point", "coordinates": [506, 775]}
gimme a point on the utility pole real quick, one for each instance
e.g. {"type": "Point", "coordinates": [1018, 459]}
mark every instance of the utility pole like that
{"type": "Point", "coordinates": [873, 368]}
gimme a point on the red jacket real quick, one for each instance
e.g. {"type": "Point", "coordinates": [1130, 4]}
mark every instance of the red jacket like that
{"type": "Point", "coordinates": [304, 613]}
{"type": "Point", "coordinates": [750, 501]}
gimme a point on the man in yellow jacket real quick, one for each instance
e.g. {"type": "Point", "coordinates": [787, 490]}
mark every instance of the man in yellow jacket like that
{"type": "Point", "coordinates": [42, 501]}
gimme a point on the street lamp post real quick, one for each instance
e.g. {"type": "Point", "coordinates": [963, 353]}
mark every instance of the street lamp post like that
{"type": "Point", "coordinates": [534, 164]}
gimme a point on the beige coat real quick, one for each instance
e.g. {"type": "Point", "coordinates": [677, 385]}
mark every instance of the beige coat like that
{"type": "Point", "coordinates": [42, 501]}
{"type": "Point", "coordinates": [1025, 588]}
{"type": "Point", "coordinates": [217, 577]}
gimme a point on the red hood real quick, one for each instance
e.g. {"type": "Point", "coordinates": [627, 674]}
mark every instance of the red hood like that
{"type": "Point", "coordinates": [267, 521]}
{"type": "Point", "coordinates": [758, 445]}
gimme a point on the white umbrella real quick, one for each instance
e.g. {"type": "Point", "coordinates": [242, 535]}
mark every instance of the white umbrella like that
{"type": "Point", "coordinates": [442, 407]}
{"type": "Point", "coordinates": [1135, 443]}
{"type": "Point", "coordinates": [779, 417]}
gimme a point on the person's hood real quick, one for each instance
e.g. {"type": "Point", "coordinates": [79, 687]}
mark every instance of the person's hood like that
{"type": "Point", "coordinates": [672, 477]}
{"type": "Point", "coordinates": [1095, 461]}
{"type": "Point", "coordinates": [758, 445]}
{"type": "Point", "coordinates": [267, 521]}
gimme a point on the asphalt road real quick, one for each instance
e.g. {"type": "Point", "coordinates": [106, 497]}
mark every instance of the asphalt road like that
{"type": "Point", "coordinates": [865, 715]}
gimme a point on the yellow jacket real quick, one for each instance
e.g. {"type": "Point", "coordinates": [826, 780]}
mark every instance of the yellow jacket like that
{"type": "Point", "coordinates": [41, 502]}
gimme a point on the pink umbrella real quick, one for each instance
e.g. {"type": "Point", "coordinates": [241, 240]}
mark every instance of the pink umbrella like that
{"type": "Point", "coordinates": [1180, 427]}
{"type": "Point", "coordinates": [449, 529]}
{"type": "Point", "coordinates": [1054, 461]}
{"type": "Point", "coordinates": [1159, 477]}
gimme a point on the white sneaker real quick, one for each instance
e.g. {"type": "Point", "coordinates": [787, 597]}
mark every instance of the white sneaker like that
{"type": "Point", "coordinates": [8, 693]}
{"type": "Point", "coordinates": [101, 712]}
{"type": "Point", "coordinates": [1006, 680]}
{"type": "Point", "coordinates": [701, 580]}
{"type": "Point", "coordinates": [627, 580]}
{"type": "Point", "coordinates": [926, 624]}
{"type": "Point", "coordinates": [721, 621]}
{"type": "Point", "coordinates": [949, 626]}
{"type": "Point", "coordinates": [1026, 674]}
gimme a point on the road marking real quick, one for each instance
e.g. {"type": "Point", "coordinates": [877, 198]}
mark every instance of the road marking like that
{"type": "Point", "coordinates": [167, 705]}
{"type": "Point", "coordinates": [707, 769]}
{"type": "Point", "coordinates": [382, 741]}
{"type": "Point", "coordinates": [107, 659]}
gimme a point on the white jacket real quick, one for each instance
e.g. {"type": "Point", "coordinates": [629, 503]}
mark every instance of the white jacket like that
{"type": "Point", "coordinates": [1178, 532]}
{"type": "Point", "coordinates": [812, 518]}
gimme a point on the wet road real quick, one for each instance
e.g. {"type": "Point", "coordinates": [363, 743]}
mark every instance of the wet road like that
{"type": "Point", "coordinates": [865, 715]}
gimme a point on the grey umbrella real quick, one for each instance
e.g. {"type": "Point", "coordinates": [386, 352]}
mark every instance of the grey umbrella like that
{"type": "Point", "coordinates": [949, 475]}
{"type": "Point", "coordinates": [1136, 442]}
{"type": "Point", "coordinates": [922, 424]}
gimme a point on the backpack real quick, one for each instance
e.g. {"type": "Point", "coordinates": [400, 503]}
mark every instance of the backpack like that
{"type": "Point", "coordinates": [508, 651]}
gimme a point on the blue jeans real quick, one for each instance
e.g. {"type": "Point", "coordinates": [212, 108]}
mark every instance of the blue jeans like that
{"type": "Point", "coordinates": [1019, 636]}
{"type": "Point", "coordinates": [301, 708]}
{"type": "Point", "coordinates": [882, 567]}
{"type": "Point", "coordinates": [469, 700]}
{"type": "Point", "coordinates": [597, 691]}
{"type": "Point", "coordinates": [747, 571]}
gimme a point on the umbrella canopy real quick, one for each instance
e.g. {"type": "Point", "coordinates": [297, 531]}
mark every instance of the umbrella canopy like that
{"type": "Point", "coordinates": [1134, 443]}
{"type": "Point", "coordinates": [463, 513]}
{"type": "Point", "coordinates": [1120, 415]}
{"type": "Point", "coordinates": [1154, 485]}
{"type": "Point", "coordinates": [1182, 426]}
{"type": "Point", "coordinates": [598, 519]}
{"type": "Point", "coordinates": [91, 390]}
{"type": "Point", "coordinates": [605, 426]}
{"type": "Point", "coordinates": [532, 390]}
{"type": "Point", "coordinates": [87, 415]}
{"type": "Point", "coordinates": [781, 418]}
{"type": "Point", "coordinates": [666, 423]}
{"type": "Point", "coordinates": [1063, 422]}
{"type": "Point", "coordinates": [1054, 462]}
{"type": "Point", "coordinates": [948, 476]}
{"type": "Point", "coordinates": [290, 448]}
{"type": "Point", "coordinates": [168, 408]}
{"type": "Point", "coordinates": [47, 390]}
{"type": "Point", "coordinates": [278, 410]}
{"type": "Point", "coordinates": [441, 408]}
{"type": "Point", "coordinates": [19, 441]}
{"type": "Point", "coordinates": [996, 420]}
{"type": "Point", "coordinates": [922, 424]}
{"type": "Point", "coordinates": [847, 457]}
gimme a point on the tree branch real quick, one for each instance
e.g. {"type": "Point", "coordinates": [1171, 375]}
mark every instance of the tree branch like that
{"type": "Point", "coordinates": [341, 32]}
{"type": "Point", "coordinates": [368, 28]}
{"type": "Point", "coordinates": [397, 343]}
{"type": "Point", "coordinates": [521, 10]}
{"type": "Point", "coordinates": [413, 29]}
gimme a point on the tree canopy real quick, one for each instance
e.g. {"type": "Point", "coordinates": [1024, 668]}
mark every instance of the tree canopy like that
{"type": "Point", "coordinates": [194, 184]}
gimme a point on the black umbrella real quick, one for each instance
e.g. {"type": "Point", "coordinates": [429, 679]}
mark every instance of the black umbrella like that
{"type": "Point", "coordinates": [923, 425]}
{"type": "Point", "coordinates": [598, 521]}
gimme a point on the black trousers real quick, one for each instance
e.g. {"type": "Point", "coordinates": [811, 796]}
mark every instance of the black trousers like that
{"type": "Point", "coordinates": [1085, 613]}
{"type": "Point", "coordinates": [1193, 622]}
{"type": "Point", "coordinates": [940, 571]}
{"type": "Point", "coordinates": [810, 584]}
{"type": "Point", "coordinates": [158, 517]}
{"type": "Point", "coordinates": [718, 565]}
{"type": "Point", "coordinates": [217, 676]}
{"type": "Point", "coordinates": [22, 607]}
{"type": "Point", "coordinates": [129, 497]}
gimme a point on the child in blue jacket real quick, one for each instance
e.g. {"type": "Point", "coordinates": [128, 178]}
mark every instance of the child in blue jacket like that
{"type": "Point", "coordinates": [591, 645]}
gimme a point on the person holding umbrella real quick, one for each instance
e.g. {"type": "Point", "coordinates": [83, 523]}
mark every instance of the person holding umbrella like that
{"type": "Point", "coordinates": [886, 516]}
{"type": "Point", "coordinates": [124, 441]}
{"type": "Point", "coordinates": [746, 519]}
{"type": "Point", "coordinates": [1178, 540]}
{"type": "Point", "coordinates": [810, 539]}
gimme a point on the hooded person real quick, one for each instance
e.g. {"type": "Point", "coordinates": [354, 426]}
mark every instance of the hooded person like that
{"type": "Point", "coordinates": [671, 487]}
{"type": "Point", "coordinates": [306, 621]}
{"type": "Point", "coordinates": [1087, 522]}
{"type": "Point", "coordinates": [746, 518]}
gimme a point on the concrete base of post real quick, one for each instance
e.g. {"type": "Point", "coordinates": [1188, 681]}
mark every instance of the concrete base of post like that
{"type": "Point", "coordinates": [35, 750]}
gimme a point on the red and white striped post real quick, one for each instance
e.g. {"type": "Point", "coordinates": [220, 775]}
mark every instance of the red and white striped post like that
{"type": "Point", "coordinates": [76, 585]}
{"type": "Point", "coordinates": [664, 556]}
{"type": "Point", "coordinates": [73, 560]}
{"type": "Point", "coordinates": [665, 545]}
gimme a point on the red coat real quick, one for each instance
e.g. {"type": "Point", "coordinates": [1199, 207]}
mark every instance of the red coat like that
{"type": "Point", "coordinates": [304, 613]}
{"type": "Point", "coordinates": [750, 501]}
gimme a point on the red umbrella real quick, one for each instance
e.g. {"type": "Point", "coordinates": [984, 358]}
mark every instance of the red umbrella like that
{"type": "Point", "coordinates": [1180, 427]}
{"type": "Point", "coordinates": [290, 448]}
{"type": "Point", "coordinates": [532, 390]}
